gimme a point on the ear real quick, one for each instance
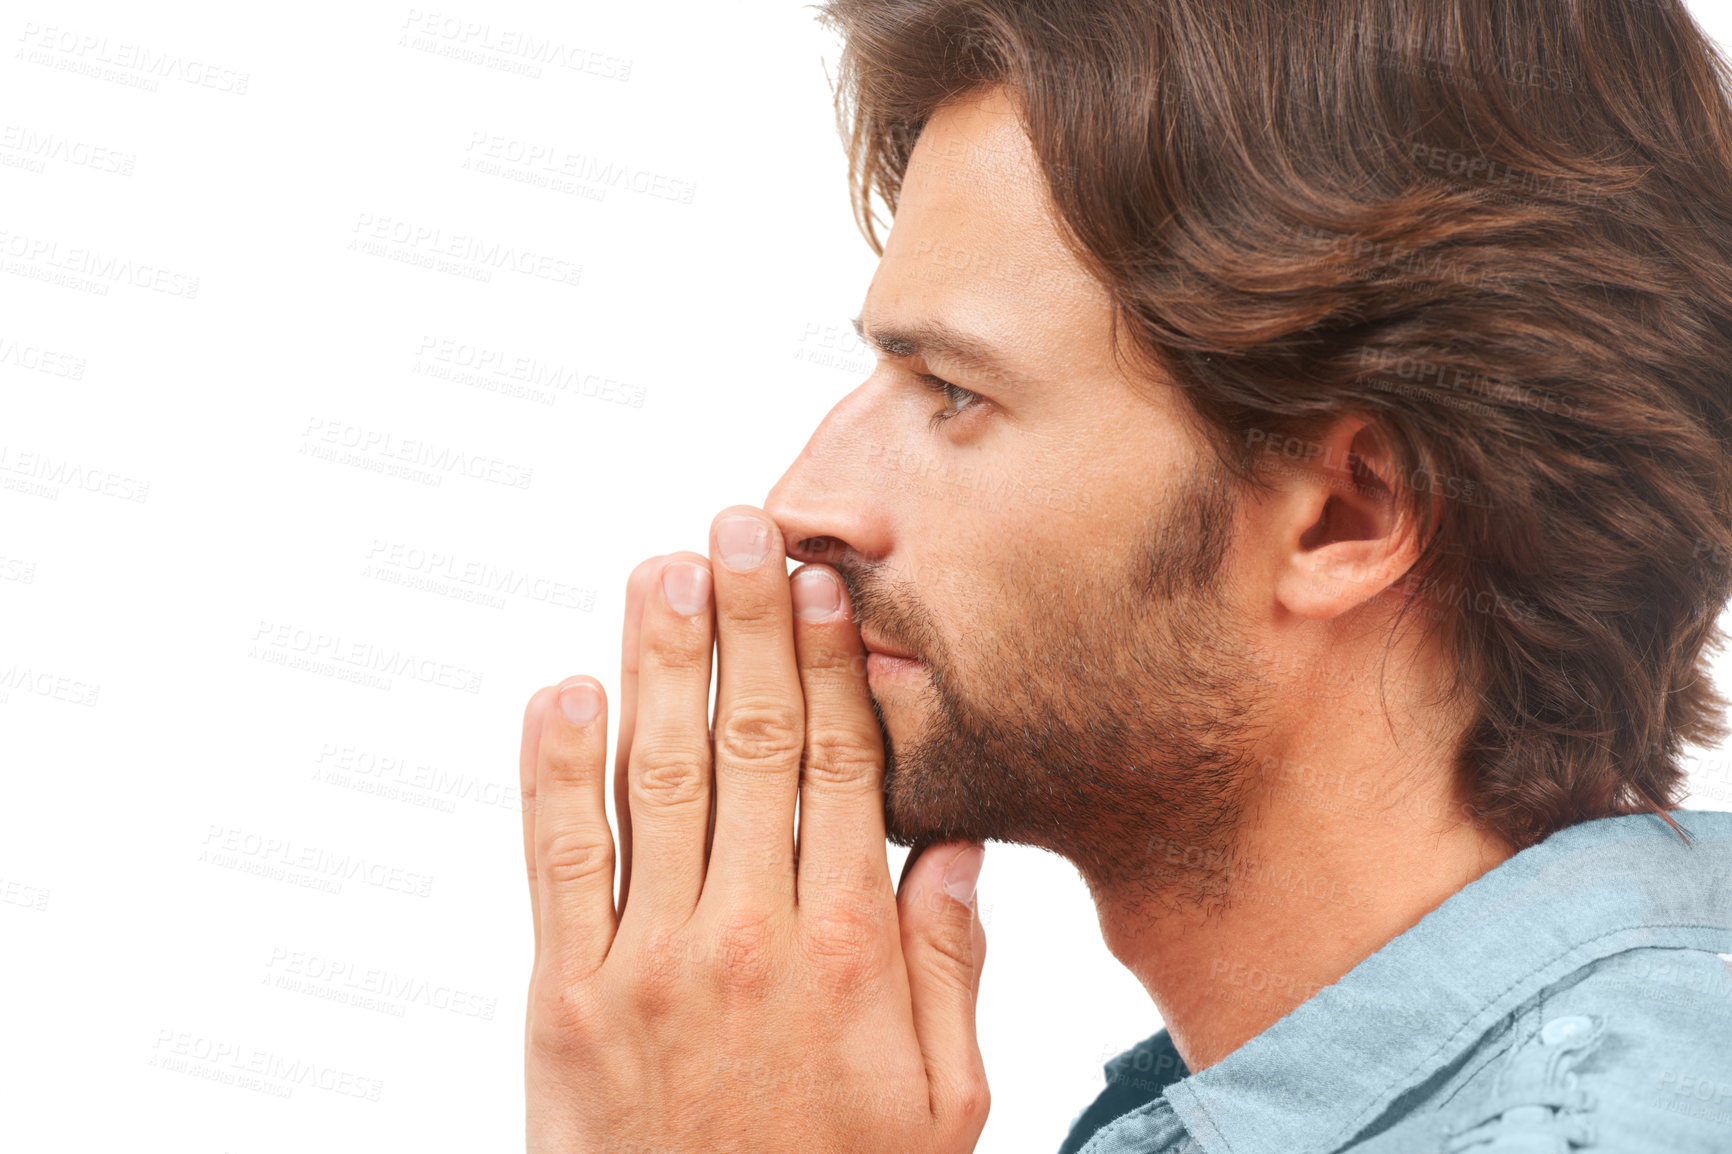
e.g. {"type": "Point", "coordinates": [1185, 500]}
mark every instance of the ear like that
{"type": "Point", "coordinates": [1345, 537]}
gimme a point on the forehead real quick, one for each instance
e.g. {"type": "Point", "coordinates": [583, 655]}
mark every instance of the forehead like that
{"type": "Point", "coordinates": [975, 240]}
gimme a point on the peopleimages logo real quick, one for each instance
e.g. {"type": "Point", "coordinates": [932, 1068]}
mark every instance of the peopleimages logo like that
{"type": "Point", "coordinates": [45, 683]}
{"type": "Point", "coordinates": [426, 244]}
{"type": "Point", "coordinates": [273, 642]}
{"type": "Point", "coordinates": [232, 1062]}
{"type": "Point", "coordinates": [507, 48]}
{"type": "Point", "coordinates": [139, 65]}
{"type": "Point", "coordinates": [52, 472]}
{"type": "Point", "coordinates": [42, 254]}
{"type": "Point", "coordinates": [279, 858]}
{"type": "Point", "coordinates": [470, 578]}
{"type": "Point", "coordinates": [371, 987]}
{"type": "Point", "coordinates": [37, 359]}
{"type": "Point", "coordinates": [338, 441]}
{"type": "Point", "coordinates": [513, 373]}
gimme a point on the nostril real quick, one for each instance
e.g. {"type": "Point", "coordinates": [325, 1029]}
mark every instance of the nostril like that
{"type": "Point", "coordinates": [819, 550]}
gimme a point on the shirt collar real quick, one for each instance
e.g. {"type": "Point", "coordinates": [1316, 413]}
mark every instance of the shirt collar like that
{"type": "Point", "coordinates": [1329, 1068]}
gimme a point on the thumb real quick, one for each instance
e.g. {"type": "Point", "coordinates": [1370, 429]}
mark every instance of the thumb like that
{"type": "Point", "coordinates": [944, 946]}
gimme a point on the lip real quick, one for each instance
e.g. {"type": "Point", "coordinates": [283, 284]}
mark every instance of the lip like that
{"type": "Point", "coordinates": [884, 650]}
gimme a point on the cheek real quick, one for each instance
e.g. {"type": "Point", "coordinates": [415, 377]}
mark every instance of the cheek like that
{"type": "Point", "coordinates": [1000, 558]}
{"type": "Point", "coordinates": [987, 603]}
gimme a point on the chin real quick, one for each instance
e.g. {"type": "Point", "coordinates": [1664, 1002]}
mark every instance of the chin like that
{"type": "Point", "coordinates": [897, 705]}
{"type": "Point", "coordinates": [919, 810]}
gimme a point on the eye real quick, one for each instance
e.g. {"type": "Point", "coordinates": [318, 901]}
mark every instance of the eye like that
{"type": "Point", "coordinates": [951, 393]}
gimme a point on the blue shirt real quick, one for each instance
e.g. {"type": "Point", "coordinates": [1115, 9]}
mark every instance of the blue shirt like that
{"type": "Point", "coordinates": [1572, 996]}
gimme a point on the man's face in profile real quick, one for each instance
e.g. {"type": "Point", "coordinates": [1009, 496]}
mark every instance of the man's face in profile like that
{"type": "Point", "coordinates": [1047, 535]}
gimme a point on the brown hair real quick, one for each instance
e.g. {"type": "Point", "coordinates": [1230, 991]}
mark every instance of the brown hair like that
{"type": "Point", "coordinates": [1500, 228]}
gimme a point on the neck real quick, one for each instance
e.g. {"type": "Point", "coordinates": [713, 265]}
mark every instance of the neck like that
{"type": "Point", "coordinates": [1343, 846]}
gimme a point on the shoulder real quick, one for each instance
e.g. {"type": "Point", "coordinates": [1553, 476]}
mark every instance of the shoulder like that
{"type": "Point", "coordinates": [1629, 1053]}
{"type": "Point", "coordinates": [1664, 1064]}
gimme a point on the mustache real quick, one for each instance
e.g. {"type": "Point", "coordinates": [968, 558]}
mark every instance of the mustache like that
{"type": "Point", "coordinates": [880, 604]}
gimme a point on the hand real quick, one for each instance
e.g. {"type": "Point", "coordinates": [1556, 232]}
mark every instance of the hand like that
{"type": "Point", "coordinates": [746, 994]}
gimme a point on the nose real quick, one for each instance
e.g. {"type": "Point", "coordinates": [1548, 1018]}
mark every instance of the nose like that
{"type": "Point", "coordinates": [826, 504]}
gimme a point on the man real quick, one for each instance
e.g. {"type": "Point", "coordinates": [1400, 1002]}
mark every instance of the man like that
{"type": "Point", "coordinates": [1298, 461]}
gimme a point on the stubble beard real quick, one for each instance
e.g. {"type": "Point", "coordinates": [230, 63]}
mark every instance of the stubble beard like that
{"type": "Point", "coordinates": [1110, 722]}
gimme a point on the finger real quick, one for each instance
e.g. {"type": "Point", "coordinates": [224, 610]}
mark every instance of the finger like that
{"type": "Point", "coordinates": [940, 930]}
{"type": "Point", "coordinates": [841, 776]}
{"type": "Point", "coordinates": [526, 762]}
{"type": "Point", "coordinates": [573, 847]}
{"type": "Point", "coordinates": [760, 712]}
{"type": "Point", "coordinates": [637, 590]}
{"type": "Point", "coordinates": [668, 778]}
{"type": "Point", "coordinates": [977, 937]}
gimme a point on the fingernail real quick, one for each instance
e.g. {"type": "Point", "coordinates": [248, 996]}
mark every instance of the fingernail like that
{"type": "Point", "coordinates": [963, 874]}
{"type": "Point", "coordinates": [816, 594]}
{"type": "Point", "coordinates": [744, 542]}
{"type": "Point", "coordinates": [687, 587]}
{"type": "Point", "coordinates": [580, 703]}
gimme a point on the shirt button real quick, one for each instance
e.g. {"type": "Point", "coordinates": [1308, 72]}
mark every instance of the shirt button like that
{"type": "Point", "coordinates": [1560, 1030]}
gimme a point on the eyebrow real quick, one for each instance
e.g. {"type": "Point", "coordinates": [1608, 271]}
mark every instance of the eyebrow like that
{"type": "Point", "coordinates": [935, 340]}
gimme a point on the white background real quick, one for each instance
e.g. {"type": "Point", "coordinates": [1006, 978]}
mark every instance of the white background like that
{"type": "Point", "coordinates": [176, 534]}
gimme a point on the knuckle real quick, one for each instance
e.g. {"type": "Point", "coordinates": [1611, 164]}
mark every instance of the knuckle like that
{"type": "Point", "coordinates": [831, 662]}
{"type": "Point", "coordinates": [667, 775]}
{"type": "Point", "coordinates": [760, 734]}
{"type": "Point", "coordinates": [678, 654]}
{"type": "Point", "coordinates": [563, 1018]}
{"type": "Point", "coordinates": [842, 759]}
{"type": "Point", "coordinates": [656, 976]}
{"type": "Point", "coordinates": [951, 956]}
{"type": "Point", "coordinates": [574, 855]}
{"type": "Point", "coordinates": [973, 1100]}
{"type": "Point", "coordinates": [570, 755]}
{"type": "Point", "coordinates": [754, 614]}
{"type": "Point", "coordinates": [744, 961]}
{"type": "Point", "coordinates": [846, 944]}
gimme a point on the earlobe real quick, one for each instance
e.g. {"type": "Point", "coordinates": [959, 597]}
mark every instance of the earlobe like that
{"type": "Point", "coordinates": [1350, 537]}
